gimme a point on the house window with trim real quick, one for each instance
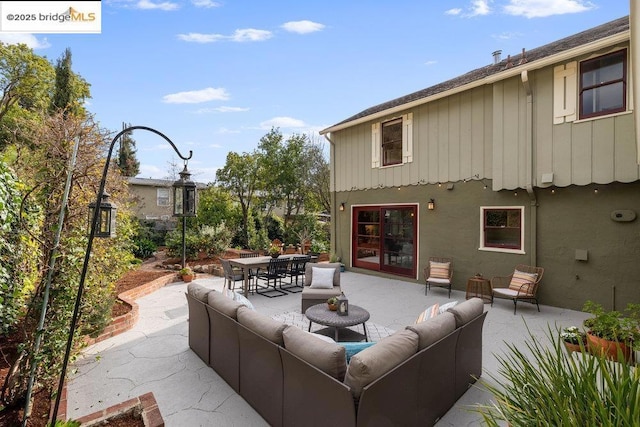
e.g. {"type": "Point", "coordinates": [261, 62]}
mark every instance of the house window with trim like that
{"type": "Point", "coordinates": [392, 141]}
{"type": "Point", "coordinates": [603, 85]}
{"type": "Point", "coordinates": [163, 197]}
{"type": "Point", "coordinates": [502, 228]}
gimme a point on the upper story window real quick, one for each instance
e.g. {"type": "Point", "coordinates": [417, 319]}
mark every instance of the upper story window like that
{"type": "Point", "coordinates": [392, 141]}
{"type": "Point", "coordinates": [603, 85]}
{"type": "Point", "coordinates": [502, 228]}
{"type": "Point", "coordinates": [163, 197]}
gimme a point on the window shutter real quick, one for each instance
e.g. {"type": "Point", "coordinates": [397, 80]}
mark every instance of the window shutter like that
{"type": "Point", "coordinates": [564, 93]}
{"type": "Point", "coordinates": [375, 145]}
{"type": "Point", "coordinates": [407, 138]}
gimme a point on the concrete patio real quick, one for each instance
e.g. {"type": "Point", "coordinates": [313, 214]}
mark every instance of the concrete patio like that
{"type": "Point", "coordinates": [154, 356]}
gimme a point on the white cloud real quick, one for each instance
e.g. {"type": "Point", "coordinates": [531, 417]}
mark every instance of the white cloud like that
{"type": "Point", "coordinates": [455, 11]}
{"type": "Point", "coordinates": [430, 62]}
{"type": "Point", "coordinates": [225, 131]}
{"type": "Point", "coordinates": [222, 109]}
{"type": "Point", "coordinates": [151, 171]}
{"type": "Point", "coordinates": [29, 39]}
{"type": "Point", "coordinates": [197, 96]}
{"type": "Point", "coordinates": [302, 27]}
{"type": "Point", "coordinates": [542, 8]}
{"type": "Point", "coordinates": [205, 3]}
{"type": "Point", "coordinates": [149, 5]}
{"type": "Point", "coordinates": [282, 122]}
{"type": "Point", "coordinates": [215, 146]}
{"type": "Point", "coordinates": [480, 7]}
{"type": "Point", "coordinates": [250, 35]}
{"type": "Point", "coordinates": [244, 35]}
{"type": "Point", "coordinates": [506, 36]}
{"type": "Point", "coordinates": [201, 38]}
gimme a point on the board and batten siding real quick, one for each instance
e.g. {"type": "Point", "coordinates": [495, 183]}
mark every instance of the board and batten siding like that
{"type": "Point", "coordinates": [451, 142]}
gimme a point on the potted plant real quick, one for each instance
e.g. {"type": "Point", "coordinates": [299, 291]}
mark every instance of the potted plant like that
{"type": "Point", "coordinates": [274, 251]}
{"type": "Point", "coordinates": [333, 303]}
{"type": "Point", "coordinates": [612, 332]}
{"type": "Point", "coordinates": [187, 274]}
{"type": "Point", "coordinates": [573, 338]}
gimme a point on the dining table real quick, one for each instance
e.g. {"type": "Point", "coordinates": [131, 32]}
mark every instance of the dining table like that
{"type": "Point", "coordinates": [253, 263]}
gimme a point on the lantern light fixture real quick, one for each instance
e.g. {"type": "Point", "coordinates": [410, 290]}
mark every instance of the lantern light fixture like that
{"type": "Point", "coordinates": [106, 225]}
{"type": "Point", "coordinates": [184, 195]}
{"type": "Point", "coordinates": [342, 206]}
{"type": "Point", "coordinates": [431, 205]}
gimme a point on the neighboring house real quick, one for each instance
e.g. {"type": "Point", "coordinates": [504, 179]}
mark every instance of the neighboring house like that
{"type": "Point", "coordinates": [153, 200]}
{"type": "Point", "coordinates": [529, 160]}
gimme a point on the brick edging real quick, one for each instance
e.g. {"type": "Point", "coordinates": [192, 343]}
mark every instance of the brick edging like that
{"type": "Point", "coordinates": [126, 321]}
{"type": "Point", "coordinates": [145, 403]}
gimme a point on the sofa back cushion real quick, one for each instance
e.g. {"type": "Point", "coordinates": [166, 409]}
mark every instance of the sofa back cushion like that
{"type": "Point", "coordinates": [262, 325]}
{"type": "Point", "coordinates": [308, 273]}
{"type": "Point", "coordinates": [433, 329]}
{"type": "Point", "coordinates": [375, 361]}
{"type": "Point", "coordinates": [329, 357]}
{"type": "Point", "coordinates": [198, 291]}
{"type": "Point", "coordinates": [467, 311]}
{"type": "Point", "coordinates": [223, 304]}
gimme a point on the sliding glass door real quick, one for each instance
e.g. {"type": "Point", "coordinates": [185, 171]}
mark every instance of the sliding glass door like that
{"type": "Point", "coordinates": [384, 238]}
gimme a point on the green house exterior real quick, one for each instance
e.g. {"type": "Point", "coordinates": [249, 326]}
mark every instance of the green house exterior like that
{"type": "Point", "coordinates": [532, 160]}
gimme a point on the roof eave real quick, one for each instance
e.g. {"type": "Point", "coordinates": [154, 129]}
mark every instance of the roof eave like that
{"type": "Point", "coordinates": [502, 75]}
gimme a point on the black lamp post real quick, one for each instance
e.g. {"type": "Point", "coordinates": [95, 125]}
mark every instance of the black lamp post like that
{"type": "Point", "coordinates": [184, 204]}
{"type": "Point", "coordinates": [103, 225]}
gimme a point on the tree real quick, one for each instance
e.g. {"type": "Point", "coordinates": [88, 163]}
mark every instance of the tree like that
{"type": "Point", "coordinates": [318, 175]}
{"type": "Point", "coordinates": [239, 177]}
{"type": "Point", "coordinates": [70, 90]}
{"type": "Point", "coordinates": [127, 161]}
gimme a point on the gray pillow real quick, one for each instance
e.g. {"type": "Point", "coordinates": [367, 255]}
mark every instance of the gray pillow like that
{"type": "Point", "coordinates": [328, 357]}
{"type": "Point", "coordinates": [467, 311]}
{"type": "Point", "coordinates": [224, 304]}
{"type": "Point", "coordinates": [198, 291]}
{"type": "Point", "coordinates": [433, 329]}
{"type": "Point", "coordinates": [373, 362]}
{"type": "Point", "coordinates": [262, 325]}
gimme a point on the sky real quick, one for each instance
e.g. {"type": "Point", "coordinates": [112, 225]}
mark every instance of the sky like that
{"type": "Point", "coordinates": [216, 76]}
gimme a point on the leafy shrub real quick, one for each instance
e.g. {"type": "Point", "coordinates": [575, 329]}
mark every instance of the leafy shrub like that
{"type": "Point", "coordinates": [144, 248]}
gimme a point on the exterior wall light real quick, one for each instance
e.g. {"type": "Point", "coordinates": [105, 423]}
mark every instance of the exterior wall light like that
{"type": "Point", "coordinates": [431, 205]}
{"type": "Point", "coordinates": [342, 206]}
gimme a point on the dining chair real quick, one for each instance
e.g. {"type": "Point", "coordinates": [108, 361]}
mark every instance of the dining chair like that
{"type": "Point", "coordinates": [231, 275]}
{"type": "Point", "coordinates": [296, 271]}
{"type": "Point", "coordinates": [272, 278]}
{"type": "Point", "coordinates": [252, 272]}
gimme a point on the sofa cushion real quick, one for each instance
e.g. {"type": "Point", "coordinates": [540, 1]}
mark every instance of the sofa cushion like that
{"type": "Point", "coordinates": [467, 311]}
{"type": "Point", "coordinates": [433, 329]}
{"type": "Point", "coordinates": [445, 307]}
{"type": "Point", "coordinates": [375, 361]}
{"type": "Point", "coordinates": [198, 291]}
{"type": "Point", "coordinates": [308, 272]}
{"type": "Point", "coordinates": [262, 325]}
{"type": "Point", "coordinates": [322, 278]}
{"type": "Point", "coordinates": [328, 357]}
{"type": "Point", "coordinates": [223, 304]}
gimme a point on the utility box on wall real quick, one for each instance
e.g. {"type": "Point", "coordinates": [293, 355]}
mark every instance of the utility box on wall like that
{"type": "Point", "coordinates": [582, 255]}
{"type": "Point", "coordinates": [623, 215]}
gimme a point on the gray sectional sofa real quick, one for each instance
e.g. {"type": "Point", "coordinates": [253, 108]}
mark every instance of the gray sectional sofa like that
{"type": "Point", "coordinates": [292, 378]}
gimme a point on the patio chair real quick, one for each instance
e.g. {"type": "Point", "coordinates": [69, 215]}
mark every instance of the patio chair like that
{"type": "Point", "coordinates": [272, 275]}
{"type": "Point", "coordinates": [252, 272]}
{"type": "Point", "coordinates": [522, 284]}
{"type": "Point", "coordinates": [296, 270]}
{"type": "Point", "coordinates": [438, 272]}
{"type": "Point", "coordinates": [231, 275]}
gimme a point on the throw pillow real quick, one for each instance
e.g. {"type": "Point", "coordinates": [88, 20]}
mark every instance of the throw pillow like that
{"type": "Point", "coordinates": [430, 312]}
{"type": "Point", "coordinates": [439, 270]}
{"type": "Point", "coordinates": [520, 278]}
{"type": "Point", "coordinates": [352, 348]}
{"type": "Point", "coordinates": [322, 278]}
{"type": "Point", "coordinates": [444, 307]}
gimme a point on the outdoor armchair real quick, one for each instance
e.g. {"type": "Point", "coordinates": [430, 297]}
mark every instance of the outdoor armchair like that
{"type": "Point", "coordinates": [522, 284]}
{"type": "Point", "coordinates": [438, 272]}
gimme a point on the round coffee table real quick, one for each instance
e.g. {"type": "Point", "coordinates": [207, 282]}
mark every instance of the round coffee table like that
{"type": "Point", "coordinates": [321, 315]}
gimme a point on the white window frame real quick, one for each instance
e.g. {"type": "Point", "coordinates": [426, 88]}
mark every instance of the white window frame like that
{"type": "Point", "coordinates": [163, 197]}
{"type": "Point", "coordinates": [407, 141]}
{"type": "Point", "coordinates": [482, 247]}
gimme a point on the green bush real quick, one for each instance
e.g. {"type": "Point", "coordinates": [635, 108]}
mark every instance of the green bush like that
{"type": "Point", "coordinates": [544, 385]}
